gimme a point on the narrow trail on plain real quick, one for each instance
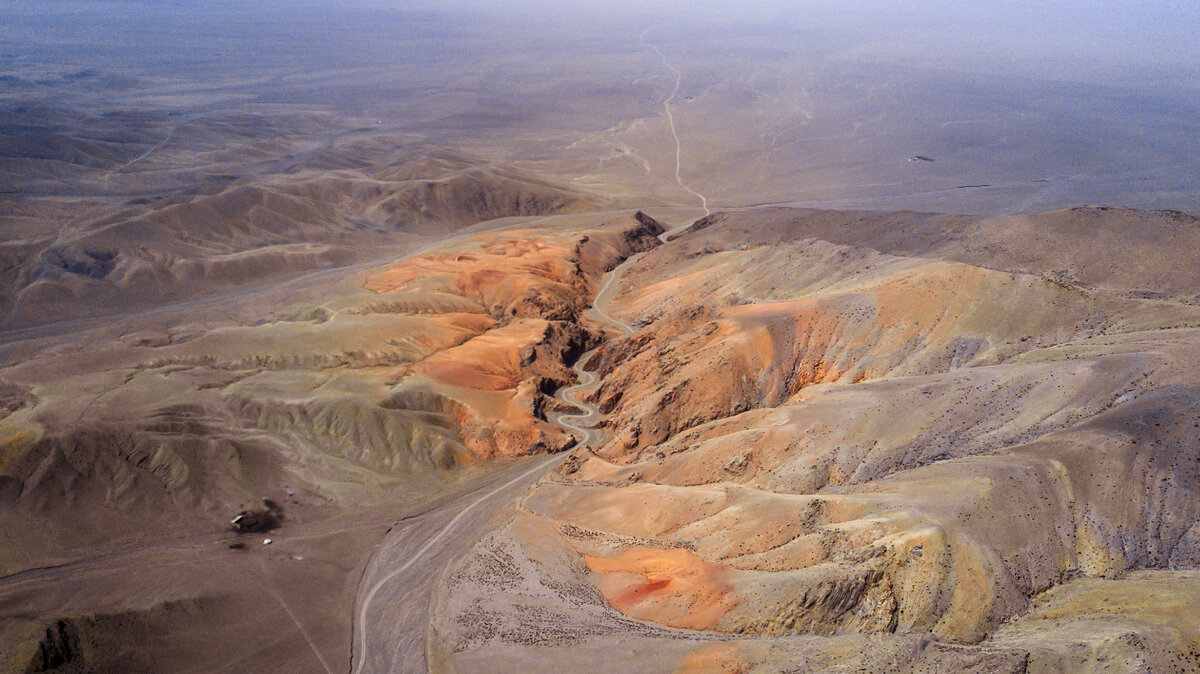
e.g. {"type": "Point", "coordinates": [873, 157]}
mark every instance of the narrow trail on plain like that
{"type": "Point", "coordinates": [270, 588]}
{"type": "Point", "coordinates": [671, 121]}
{"type": "Point", "coordinates": [153, 148]}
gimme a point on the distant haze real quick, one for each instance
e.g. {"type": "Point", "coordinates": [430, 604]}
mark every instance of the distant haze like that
{"type": "Point", "coordinates": [1025, 106]}
{"type": "Point", "coordinates": [1126, 42]}
{"type": "Point", "coordinates": [1103, 42]}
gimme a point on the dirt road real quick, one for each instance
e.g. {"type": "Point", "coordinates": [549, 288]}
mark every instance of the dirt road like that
{"type": "Point", "coordinates": [392, 613]}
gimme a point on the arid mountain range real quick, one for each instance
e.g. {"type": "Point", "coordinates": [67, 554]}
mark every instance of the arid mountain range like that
{"type": "Point", "coordinates": [688, 350]}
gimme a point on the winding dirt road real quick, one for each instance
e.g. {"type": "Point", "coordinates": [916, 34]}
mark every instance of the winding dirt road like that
{"type": "Point", "coordinates": [392, 615]}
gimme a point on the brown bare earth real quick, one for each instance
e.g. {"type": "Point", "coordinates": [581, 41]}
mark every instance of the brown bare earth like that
{"type": "Point", "coordinates": [496, 337]}
{"type": "Point", "coordinates": [829, 445]}
{"type": "Point", "coordinates": [900, 426]}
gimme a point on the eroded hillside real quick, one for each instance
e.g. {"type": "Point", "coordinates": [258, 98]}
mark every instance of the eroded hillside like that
{"type": "Point", "coordinates": [395, 387]}
{"type": "Point", "coordinates": [973, 442]}
{"type": "Point", "coordinates": [835, 440]}
{"type": "Point", "coordinates": [122, 213]}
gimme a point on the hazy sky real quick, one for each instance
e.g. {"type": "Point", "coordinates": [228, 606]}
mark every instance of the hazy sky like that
{"type": "Point", "coordinates": [981, 80]}
{"type": "Point", "coordinates": [1110, 41]}
{"type": "Point", "coordinates": [1121, 42]}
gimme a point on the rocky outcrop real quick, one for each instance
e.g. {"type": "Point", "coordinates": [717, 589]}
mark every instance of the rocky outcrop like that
{"type": "Point", "coordinates": [821, 439]}
{"type": "Point", "coordinates": [63, 645]}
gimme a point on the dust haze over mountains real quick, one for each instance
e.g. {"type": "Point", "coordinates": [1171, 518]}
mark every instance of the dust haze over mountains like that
{"type": "Point", "coordinates": [119, 112]}
{"type": "Point", "coordinates": [1096, 103]}
{"type": "Point", "coordinates": [817, 336]}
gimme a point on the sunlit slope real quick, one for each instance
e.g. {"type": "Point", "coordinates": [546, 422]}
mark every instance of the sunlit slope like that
{"type": "Point", "coordinates": [820, 438]}
{"type": "Point", "coordinates": [219, 204]}
{"type": "Point", "coordinates": [347, 401]}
